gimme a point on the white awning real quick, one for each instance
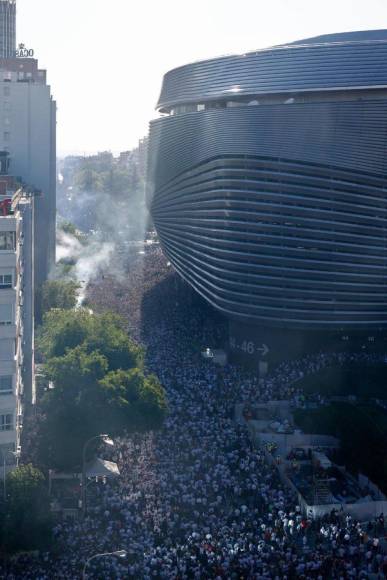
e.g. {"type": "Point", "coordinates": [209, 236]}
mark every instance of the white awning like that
{"type": "Point", "coordinates": [101, 468]}
{"type": "Point", "coordinates": [322, 459]}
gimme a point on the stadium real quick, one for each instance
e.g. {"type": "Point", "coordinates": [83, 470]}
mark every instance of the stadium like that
{"type": "Point", "coordinates": [267, 179]}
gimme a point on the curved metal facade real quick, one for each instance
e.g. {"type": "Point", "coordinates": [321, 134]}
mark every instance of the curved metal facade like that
{"type": "Point", "coordinates": [324, 66]}
{"type": "Point", "coordinates": [277, 213]}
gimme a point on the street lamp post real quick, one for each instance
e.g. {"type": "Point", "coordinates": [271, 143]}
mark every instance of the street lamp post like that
{"type": "Point", "coordinates": [108, 441]}
{"type": "Point", "coordinates": [118, 554]}
{"type": "Point", "coordinates": [15, 454]}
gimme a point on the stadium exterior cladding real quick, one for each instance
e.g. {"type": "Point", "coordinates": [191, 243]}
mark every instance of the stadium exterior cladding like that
{"type": "Point", "coordinates": [268, 182]}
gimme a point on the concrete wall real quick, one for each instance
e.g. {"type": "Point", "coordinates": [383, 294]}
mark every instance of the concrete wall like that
{"type": "Point", "coordinates": [286, 443]}
{"type": "Point", "coordinates": [362, 511]}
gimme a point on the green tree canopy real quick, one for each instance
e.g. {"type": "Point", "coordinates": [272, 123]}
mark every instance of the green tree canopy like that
{"type": "Point", "coordinates": [68, 228]}
{"type": "Point", "coordinates": [121, 401]}
{"type": "Point", "coordinates": [133, 402]}
{"type": "Point", "coordinates": [26, 523]}
{"type": "Point", "coordinates": [59, 294]}
{"type": "Point", "coordinates": [112, 180]}
{"type": "Point", "coordinates": [63, 330]}
{"type": "Point", "coordinates": [25, 485]}
{"type": "Point", "coordinates": [109, 337]}
{"type": "Point", "coordinates": [76, 372]}
{"type": "Point", "coordinates": [99, 384]}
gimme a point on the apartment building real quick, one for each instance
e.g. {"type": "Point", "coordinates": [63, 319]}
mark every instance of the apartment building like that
{"type": "Point", "coordinates": [28, 133]}
{"type": "Point", "coordinates": [16, 314]}
{"type": "Point", "coordinates": [7, 28]}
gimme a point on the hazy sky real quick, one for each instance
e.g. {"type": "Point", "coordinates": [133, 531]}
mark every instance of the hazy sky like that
{"type": "Point", "coordinates": [106, 58]}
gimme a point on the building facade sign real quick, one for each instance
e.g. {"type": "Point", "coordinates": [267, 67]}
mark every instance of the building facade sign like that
{"type": "Point", "coordinates": [23, 52]}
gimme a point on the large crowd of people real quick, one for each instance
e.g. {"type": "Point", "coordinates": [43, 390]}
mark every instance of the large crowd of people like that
{"type": "Point", "coordinates": [197, 500]}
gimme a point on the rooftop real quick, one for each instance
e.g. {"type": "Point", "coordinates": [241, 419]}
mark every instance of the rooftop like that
{"type": "Point", "coordinates": [355, 36]}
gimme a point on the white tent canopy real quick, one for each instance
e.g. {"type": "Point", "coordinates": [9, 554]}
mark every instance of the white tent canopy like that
{"type": "Point", "coordinates": [101, 468]}
{"type": "Point", "coordinates": [323, 460]}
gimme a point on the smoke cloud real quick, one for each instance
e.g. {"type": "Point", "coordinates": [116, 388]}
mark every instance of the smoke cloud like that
{"type": "Point", "coordinates": [104, 198]}
{"type": "Point", "coordinates": [87, 259]}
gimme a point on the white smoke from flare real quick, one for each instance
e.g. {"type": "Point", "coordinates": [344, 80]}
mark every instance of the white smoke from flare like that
{"type": "Point", "coordinates": [68, 247]}
{"type": "Point", "coordinates": [89, 258]}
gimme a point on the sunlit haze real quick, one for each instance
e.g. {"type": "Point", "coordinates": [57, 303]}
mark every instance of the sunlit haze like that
{"type": "Point", "coordinates": [105, 59]}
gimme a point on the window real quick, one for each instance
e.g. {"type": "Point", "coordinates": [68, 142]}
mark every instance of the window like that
{"type": "Point", "coordinates": [7, 241]}
{"type": "Point", "coordinates": [6, 314]}
{"type": "Point", "coordinates": [5, 384]}
{"type": "Point", "coordinates": [7, 91]}
{"type": "Point", "coordinates": [5, 281]}
{"type": "Point", "coordinates": [6, 422]}
{"type": "Point", "coordinates": [7, 106]}
{"type": "Point", "coordinates": [7, 136]}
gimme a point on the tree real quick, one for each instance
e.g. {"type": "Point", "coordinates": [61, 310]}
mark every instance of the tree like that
{"type": "Point", "coordinates": [87, 179]}
{"type": "Point", "coordinates": [59, 294]}
{"type": "Point", "coordinates": [68, 229]}
{"type": "Point", "coordinates": [25, 484]}
{"type": "Point", "coordinates": [99, 384]}
{"type": "Point", "coordinates": [63, 433]}
{"type": "Point", "coordinates": [82, 407]}
{"type": "Point", "coordinates": [133, 402]}
{"type": "Point", "coordinates": [109, 337]}
{"type": "Point", "coordinates": [74, 409]}
{"type": "Point", "coordinates": [62, 330]}
{"type": "Point", "coordinates": [75, 373]}
{"type": "Point", "coordinates": [26, 521]}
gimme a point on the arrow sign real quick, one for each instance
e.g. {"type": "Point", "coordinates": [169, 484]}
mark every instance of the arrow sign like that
{"type": "Point", "coordinates": [264, 350]}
